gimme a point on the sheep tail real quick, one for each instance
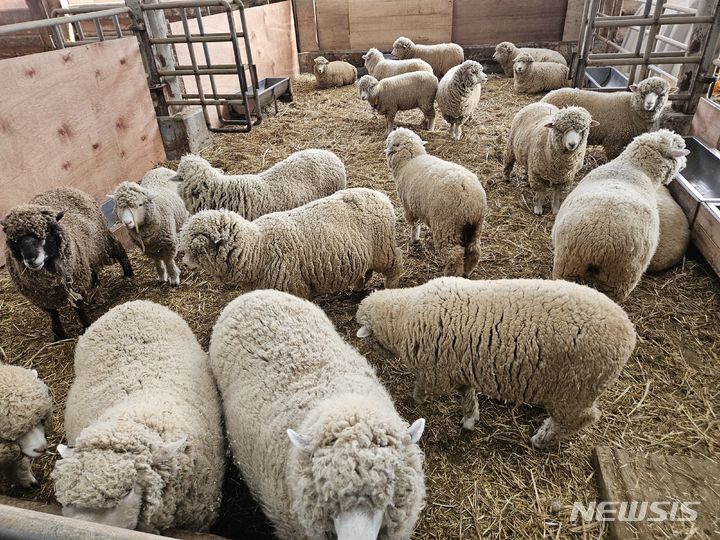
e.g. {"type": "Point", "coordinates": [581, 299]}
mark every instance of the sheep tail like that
{"type": "Point", "coordinates": [469, 234]}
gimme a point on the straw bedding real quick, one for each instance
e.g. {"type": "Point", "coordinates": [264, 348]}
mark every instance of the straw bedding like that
{"type": "Point", "coordinates": [488, 483]}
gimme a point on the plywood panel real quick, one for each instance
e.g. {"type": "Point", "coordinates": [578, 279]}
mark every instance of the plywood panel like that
{"type": "Point", "coordinates": [272, 44]}
{"type": "Point", "coordinates": [480, 22]}
{"type": "Point", "coordinates": [333, 24]}
{"type": "Point", "coordinates": [573, 20]}
{"type": "Point", "coordinates": [706, 123]}
{"type": "Point", "coordinates": [79, 117]}
{"type": "Point", "coordinates": [377, 23]}
{"type": "Point", "coordinates": [307, 25]}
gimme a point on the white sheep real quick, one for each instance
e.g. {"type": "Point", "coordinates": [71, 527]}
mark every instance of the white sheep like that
{"type": "Point", "coordinates": [542, 342]}
{"type": "Point", "coordinates": [607, 230]}
{"type": "Point", "coordinates": [379, 67]}
{"type": "Point", "coordinates": [300, 178]}
{"type": "Point", "coordinates": [153, 214]}
{"type": "Point", "coordinates": [458, 94]}
{"type": "Point", "coordinates": [143, 422]}
{"type": "Point", "coordinates": [506, 52]}
{"type": "Point", "coordinates": [441, 56]}
{"type": "Point", "coordinates": [26, 411]}
{"type": "Point", "coordinates": [533, 77]}
{"type": "Point", "coordinates": [401, 93]}
{"type": "Point", "coordinates": [313, 431]}
{"type": "Point", "coordinates": [324, 247]}
{"type": "Point", "coordinates": [330, 74]}
{"type": "Point", "coordinates": [621, 115]}
{"type": "Point", "coordinates": [550, 143]}
{"type": "Point", "coordinates": [444, 195]}
{"type": "Point", "coordinates": [674, 233]}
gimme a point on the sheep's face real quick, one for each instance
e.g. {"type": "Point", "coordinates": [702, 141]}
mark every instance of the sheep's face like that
{"type": "Point", "coordinates": [402, 48]}
{"type": "Point", "coordinates": [371, 58]}
{"type": "Point", "coordinates": [204, 240]}
{"type": "Point", "coordinates": [363, 471]}
{"type": "Point", "coordinates": [365, 86]}
{"type": "Point", "coordinates": [650, 96]}
{"type": "Point", "coordinates": [124, 514]}
{"type": "Point", "coordinates": [661, 153]}
{"type": "Point", "coordinates": [403, 144]}
{"type": "Point", "coordinates": [321, 64]}
{"type": "Point", "coordinates": [37, 245]}
{"type": "Point", "coordinates": [33, 442]}
{"type": "Point", "coordinates": [570, 128]}
{"type": "Point", "coordinates": [471, 74]}
{"type": "Point", "coordinates": [503, 51]}
{"type": "Point", "coordinates": [523, 64]}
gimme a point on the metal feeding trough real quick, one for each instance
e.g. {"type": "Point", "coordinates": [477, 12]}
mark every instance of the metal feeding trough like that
{"type": "Point", "coordinates": [697, 190]}
{"type": "Point", "coordinates": [605, 77]}
{"type": "Point", "coordinates": [270, 90]}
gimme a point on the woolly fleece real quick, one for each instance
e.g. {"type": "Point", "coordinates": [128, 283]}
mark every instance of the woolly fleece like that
{"type": "Point", "coordinates": [441, 56]}
{"type": "Point", "coordinates": [336, 73]}
{"type": "Point", "coordinates": [506, 52]}
{"type": "Point", "coordinates": [458, 94]}
{"type": "Point", "coordinates": [538, 77]}
{"type": "Point", "coordinates": [674, 233]}
{"type": "Point", "coordinates": [280, 364]}
{"type": "Point", "coordinates": [381, 68]}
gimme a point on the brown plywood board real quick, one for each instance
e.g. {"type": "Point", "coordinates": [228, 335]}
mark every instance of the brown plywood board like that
{"type": "Point", "coordinates": [479, 22]}
{"type": "Point", "coordinates": [79, 117]}
{"type": "Point", "coordinates": [650, 477]}
{"type": "Point", "coordinates": [573, 20]}
{"type": "Point", "coordinates": [377, 23]}
{"type": "Point", "coordinates": [706, 235]}
{"type": "Point", "coordinates": [706, 123]}
{"type": "Point", "coordinates": [307, 25]}
{"type": "Point", "coordinates": [272, 44]}
{"type": "Point", "coordinates": [333, 24]}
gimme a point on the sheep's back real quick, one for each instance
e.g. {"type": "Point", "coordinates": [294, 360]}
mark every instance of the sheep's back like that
{"type": "Point", "coordinates": [674, 232]}
{"type": "Point", "coordinates": [390, 68]}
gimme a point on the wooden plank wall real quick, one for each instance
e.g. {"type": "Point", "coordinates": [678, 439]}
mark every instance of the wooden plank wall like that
{"type": "Point", "coordinates": [79, 117]}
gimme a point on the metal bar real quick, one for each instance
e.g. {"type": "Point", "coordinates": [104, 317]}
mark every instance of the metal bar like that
{"type": "Point", "coordinates": [650, 41]}
{"type": "Point", "coordinates": [670, 41]}
{"type": "Point", "coordinates": [58, 38]}
{"type": "Point", "coordinates": [208, 66]}
{"type": "Point", "coordinates": [208, 61]}
{"type": "Point", "coordinates": [98, 29]}
{"type": "Point", "coordinates": [619, 55]}
{"type": "Point", "coordinates": [192, 71]}
{"type": "Point", "coordinates": [116, 25]}
{"type": "Point", "coordinates": [85, 8]}
{"type": "Point", "coordinates": [641, 61]}
{"type": "Point", "coordinates": [183, 4]}
{"type": "Point", "coordinates": [638, 45]}
{"type": "Point", "coordinates": [50, 23]}
{"type": "Point", "coordinates": [623, 21]}
{"type": "Point", "coordinates": [587, 42]}
{"type": "Point", "coordinates": [253, 71]}
{"type": "Point", "coordinates": [204, 101]}
{"type": "Point", "coordinates": [193, 38]}
{"type": "Point", "coordinates": [191, 50]}
{"type": "Point", "coordinates": [681, 9]}
{"type": "Point", "coordinates": [709, 48]}
{"type": "Point", "coordinates": [662, 72]}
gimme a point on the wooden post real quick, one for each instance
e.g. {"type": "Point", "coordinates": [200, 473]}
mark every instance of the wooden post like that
{"type": "Point", "coordinates": [38, 12]}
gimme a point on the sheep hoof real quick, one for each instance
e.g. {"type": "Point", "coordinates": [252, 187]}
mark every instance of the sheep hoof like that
{"type": "Point", "coordinates": [538, 209]}
{"type": "Point", "coordinates": [468, 424]}
{"type": "Point", "coordinates": [175, 282]}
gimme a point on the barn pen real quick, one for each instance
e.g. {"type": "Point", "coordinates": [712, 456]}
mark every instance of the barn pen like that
{"type": "Point", "coordinates": [90, 103]}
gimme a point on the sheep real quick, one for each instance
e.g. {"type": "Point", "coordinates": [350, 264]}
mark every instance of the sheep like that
{"type": "Point", "coordinates": [62, 239]}
{"type": "Point", "coordinates": [313, 431]}
{"type": "Point", "coordinates": [607, 229]}
{"type": "Point", "coordinates": [381, 68]}
{"type": "Point", "coordinates": [444, 195]}
{"type": "Point", "coordinates": [441, 56]}
{"type": "Point", "coordinates": [532, 77]}
{"type": "Point", "coordinates": [25, 414]}
{"type": "Point", "coordinates": [401, 93]}
{"type": "Point", "coordinates": [550, 143]}
{"type": "Point", "coordinates": [153, 213]}
{"type": "Point", "coordinates": [674, 233]}
{"type": "Point", "coordinates": [622, 115]}
{"type": "Point", "coordinates": [143, 423]}
{"type": "Point", "coordinates": [506, 52]}
{"type": "Point", "coordinates": [324, 247]}
{"type": "Point", "coordinates": [300, 178]}
{"type": "Point", "coordinates": [458, 94]}
{"type": "Point", "coordinates": [329, 74]}
{"type": "Point", "coordinates": [550, 343]}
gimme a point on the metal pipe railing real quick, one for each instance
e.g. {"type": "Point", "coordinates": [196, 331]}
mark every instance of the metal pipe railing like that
{"type": "Point", "coordinates": [54, 23]}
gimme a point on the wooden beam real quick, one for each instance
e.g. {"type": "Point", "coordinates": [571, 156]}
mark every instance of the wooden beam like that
{"type": "Point", "coordinates": [39, 11]}
{"type": "Point", "coordinates": [333, 24]}
{"type": "Point", "coordinates": [307, 25]}
{"type": "Point", "coordinates": [573, 20]}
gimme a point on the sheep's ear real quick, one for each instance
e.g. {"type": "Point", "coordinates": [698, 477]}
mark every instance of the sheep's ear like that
{"type": "Point", "coordinates": [549, 125]}
{"type": "Point", "coordinates": [176, 178]}
{"type": "Point", "coordinates": [297, 440]}
{"type": "Point", "coordinates": [34, 373]}
{"type": "Point", "coordinates": [364, 331]}
{"type": "Point", "coordinates": [2, 223]}
{"type": "Point", "coordinates": [59, 216]}
{"type": "Point", "coordinates": [594, 123]}
{"type": "Point", "coordinates": [364, 56]}
{"type": "Point", "coordinates": [679, 153]}
{"type": "Point", "coordinates": [165, 451]}
{"type": "Point", "coordinates": [633, 87]}
{"type": "Point", "coordinates": [65, 451]}
{"type": "Point", "coordinates": [416, 430]}
{"type": "Point", "coordinates": [217, 239]}
{"type": "Point", "coordinates": [673, 90]}
{"type": "Point", "coordinates": [424, 143]}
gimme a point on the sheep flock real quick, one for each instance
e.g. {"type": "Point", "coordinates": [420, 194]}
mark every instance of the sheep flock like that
{"type": "Point", "coordinates": [336, 423]}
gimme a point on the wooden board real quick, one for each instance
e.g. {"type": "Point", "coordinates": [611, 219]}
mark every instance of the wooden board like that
{"type": "Point", "coordinates": [307, 25]}
{"type": "Point", "coordinates": [705, 233]}
{"type": "Point", "coordinates": [706, 123]}
{"type": "Point", "coordinates": [653, 477]}
{"type": "Point", "coordinates": [333, 24]}
{"type": "Point", "coordinates": [377, 23]}
{"type": "Point", "coordinates": [573, 20]}
{"type": "Point", "coordinates": [79, 117]}
{"type": "Point", "coordinates": [478, 22]}
{"type": "Point", "coordinates": [272, 44]}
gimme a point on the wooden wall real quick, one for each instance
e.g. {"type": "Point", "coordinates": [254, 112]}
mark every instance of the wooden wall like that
{"type": "Point", "coordinates": [79, 117]}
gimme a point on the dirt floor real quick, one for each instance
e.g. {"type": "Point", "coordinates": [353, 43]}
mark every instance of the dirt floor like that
{"type": "Point", "coordinates": [488, 483]}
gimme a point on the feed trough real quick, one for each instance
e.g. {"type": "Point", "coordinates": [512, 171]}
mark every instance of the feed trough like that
{"type": "Point", "coordinates": [697, 190]}
{"type": "Point", "coordinates": [270, 90]}
{"type": "Point", "coordinates": [605, 77]}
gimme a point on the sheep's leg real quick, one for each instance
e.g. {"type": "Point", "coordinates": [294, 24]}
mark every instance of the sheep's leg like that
{"type": "Point", "coordinates": [94, 279]}
{"type": "Point", "coordinates": [458, 131]}
{"type": "Point", "coordinates": [390, 119]}
{"type": "Point", "coordinates": [430, 118]}
{"type": "Point", "coordinates": [471, 409]}
{"type": "Point", "coordinates": [415, 228]}
{"type": "Point", "coordinates": [562, 424]}
{"type": "Point", "coordinates": [82, 314]}
{"type": "Point", "coordinates": [419, 392]}
{"type": "Point", "coordinates": [394, 270]}
{"type": "Point", "coordinates": [21, 474]}
{"type": "Point", "coordinates": [173, 271]}
{"type": "Point", "coordinates": [539, 198]}
{"type": "Point", "coordinates": [120, 255]}
{"type": "Point", "coordinates": [57, 328]}
{"type": "Point", "coordinates": [161, 271]}
{"type": "Point", "coordinates": [472, 257]}
{"type": "Point", "coordinates": [556, 199]}
{"type": "Point", "coordinates": [508, 161]}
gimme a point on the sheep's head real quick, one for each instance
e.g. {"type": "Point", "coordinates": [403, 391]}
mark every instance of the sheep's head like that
{"type": "Point", "coordinates": [402, 48]}
{"type": "Point", "coordinates": [356, 472]}
{"type": "Point", "coordinates": [365, 85]}
{"type": "Point", "coordinates": [131, 204]}
{"type": "Point", "coordinates": [26, 409]}
{"type": "Point", "coordinates": [505, 52]}
{"type": "Point", "coordinates": [371, 58]}
{"type": "Point", "coordinates": [523, 63]}
{"type": "Point", "coordinates": [321, 64]}
{"type": "Point", "coordinates": [570, 128]}
{"type": "Point", "coordinates": [650, 96]}
{"type": "Point", "coordinates": [34, 236]}
{"type": "Point", "coordinates": [120, 487]}
{"type": "Point", "coordinates": [470, 73]}
{"type": "Point", "coordinates": [402, 145]}
{"type": "Point", "coordinates": [195, 175]}
{"type": "Point", "coordinates": [661, 154]}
